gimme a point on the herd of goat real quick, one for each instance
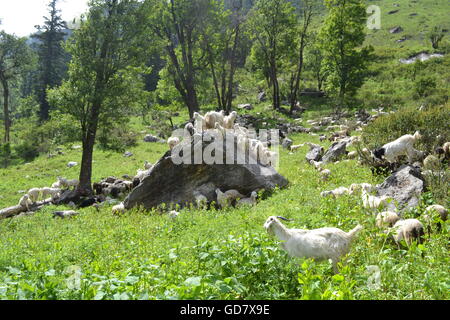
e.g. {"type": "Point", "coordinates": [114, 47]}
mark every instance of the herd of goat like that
{"type": "Point", "coordinates": [319, 244]}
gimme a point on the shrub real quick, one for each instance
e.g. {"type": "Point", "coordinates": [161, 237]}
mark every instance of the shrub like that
{"type": "Point", "coordinates": [116, 139]}
{"type": "Point", "coordinates": [431, 123]}
{"type": "Point", "coordinates": [27, 151]}
{"type": "Point", "coordinates": [424, 86]}
{"type": "Point", "coordinates": [5, 154]}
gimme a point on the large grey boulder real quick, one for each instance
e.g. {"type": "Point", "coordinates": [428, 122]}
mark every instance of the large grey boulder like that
{"type": "Point", "coordinates": [175, 184]}
{"type": "Point", "coordinates": [404, 186]}
{"type": "Point", "coordinates": [315, 153]}
{"type": "Point", "coordinates": [335, 152]}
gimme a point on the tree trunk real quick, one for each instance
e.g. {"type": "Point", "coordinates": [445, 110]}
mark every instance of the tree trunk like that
{"type": "Point", "coordinates": [7, 121]}
{"type": "Point", "coordinates": [296, 87]}
{"type": "Point", "coordinates": [85, 186]}
{"type": "Point", "coordinates": [275, 86]}
{"type": "Point", "coordinates": [191, 102]}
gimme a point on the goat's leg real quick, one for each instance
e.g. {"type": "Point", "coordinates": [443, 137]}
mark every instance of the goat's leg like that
{"type": "Point", "coordinates": [335, 268]}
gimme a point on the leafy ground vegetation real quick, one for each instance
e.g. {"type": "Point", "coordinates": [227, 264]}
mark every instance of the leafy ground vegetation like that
{"type": "Point", "coordinates": [207, 254]}
{"type": "Point", "coordinates": [226, 254]}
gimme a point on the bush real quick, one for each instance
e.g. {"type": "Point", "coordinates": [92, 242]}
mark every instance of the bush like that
{"type": "Point", "coordinates": [116, 139]}
{"type": "Point", "coordinates": [27, 151]}
{"type": "Point", "coordinates": [424, 86]}
{"type": "Point", "coordinates": [5, 154]}
{"type": "Point", "coordinates": [431, 123]}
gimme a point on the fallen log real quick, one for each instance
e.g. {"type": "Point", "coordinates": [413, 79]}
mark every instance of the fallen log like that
{"type": "Point", "coordinates": [16, 210]}
{"type": "Point", "coordinates": [12, 211]}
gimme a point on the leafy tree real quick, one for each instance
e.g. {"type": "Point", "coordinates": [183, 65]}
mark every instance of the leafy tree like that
{"type": "Point", "coordinates": [104, 75]}
{"type": "Point", "coordinates": [342, 36]}
{"type": "Point", "coordinates": [221, 43]}
{"type": "Point", "coordinates": [52, 57]}
{"type": "Point", "coordinates": [314, 61]}
{"type": "Point", "coordinates": [270, 25]}
{"type": "Point", "coordinates": [15, 59]}
{"type": "Point", "coordinates": [177, 25]}
{"type": "Point", "coordinates": [436, 35]}
{"type": "Point", "coordinates": [306, 12]}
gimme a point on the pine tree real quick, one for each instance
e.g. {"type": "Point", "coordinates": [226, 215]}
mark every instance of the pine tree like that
{"type": "Point", "coordinates": [52, 57]}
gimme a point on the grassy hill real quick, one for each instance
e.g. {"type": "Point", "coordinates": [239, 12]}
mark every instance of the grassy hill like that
{"type": "Point", "coordinates": [416, 19]}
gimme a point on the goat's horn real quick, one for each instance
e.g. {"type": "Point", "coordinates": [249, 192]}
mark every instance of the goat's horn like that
{"type": "Point", "coordinates": [283, 218]}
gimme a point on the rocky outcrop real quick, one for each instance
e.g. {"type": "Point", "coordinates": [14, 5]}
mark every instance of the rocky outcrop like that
{"type": "Point", "coordinates": [404, 186]}
{"type": "Point", "coordinates": [175, 184]}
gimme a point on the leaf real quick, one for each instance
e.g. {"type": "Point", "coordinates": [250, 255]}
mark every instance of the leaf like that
{"type": "Point", "coordinates": [131, 279]}
{"type": "Point", "coordinates": [193, 281]}
{"type": "Point", "coordinates": [14, 270]}
{"type": "Point", "coordinates": [99, 295]}
{"type": "Point", "coordinates": [50, 273]}
{"type": "Point", "coordinates": [338, 278]}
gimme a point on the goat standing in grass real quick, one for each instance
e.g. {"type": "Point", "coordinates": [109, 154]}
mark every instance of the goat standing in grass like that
{"type": "Point", "coordinates": [402, 146]}
{"type": "Point", "coordinates": [319, 244]}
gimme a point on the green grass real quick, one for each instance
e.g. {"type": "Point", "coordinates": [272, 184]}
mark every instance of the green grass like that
{"type": "Point", "coordinates": [205, 254]}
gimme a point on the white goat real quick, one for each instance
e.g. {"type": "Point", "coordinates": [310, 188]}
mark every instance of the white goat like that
{"type": "Point", "coordinates": [446, 148]}
{"type": "Point", "coordinates": [52, 192]}
{"type": "Point", "coordinates": [172, 142]}
{"type": "Point", "coordinates": [325, 174]}
{"type": "Point", "coordinates": [199, 122]}
{"type": "Point", "coordinates": [34, 194]}
{"type": "Point", "coordinates": [64, 183]}
{"type": "Point", "coordinates": [443, 213]}
{"type": "Point", "coordinates": [431, 163]}
{"type": "Point", "coordinates": [319, 244]}
{"type": "Point", "coordinates": [248, 201]}
{"type": "Point", "coordinates": [432, 213]}
{"type": "Point", "coordinates": [357, 187]}
{"type": "Point", "coordinates": [271, 157]}
{"type": "Point", "coordinates": [25, 201]}
{"type": "Point", "coordinates": [386, 219]}
{"type": "Point", "coordinates": [119, 208]}
{"type": "Point", "coordinates": [408, 230]}
{"type": "Point", "coordinates": [228, 121]}
{"type": "Point", "coordinates": [402, 146]}
{"type": "Point", "coordinates": [73, 183]}
{"type": "Point", "coordinates": [335, 193]}
{"type": "Point", "coordinates": [213, 117]}
{"type": "Point", "coordinates": [374, 202]}
{"type": "Point", "coordinates": [200, 200]}
{"type": "Point", "coordinates": [352, 154]}
{"type": "Point", "coordinates": [224, 199]}
{"type": "Point", "coordinates": [141, 174]}
{"type": "Point", "coordinates": [317, 164]}
{"type": "Point", "coordinates": [297, 146]}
